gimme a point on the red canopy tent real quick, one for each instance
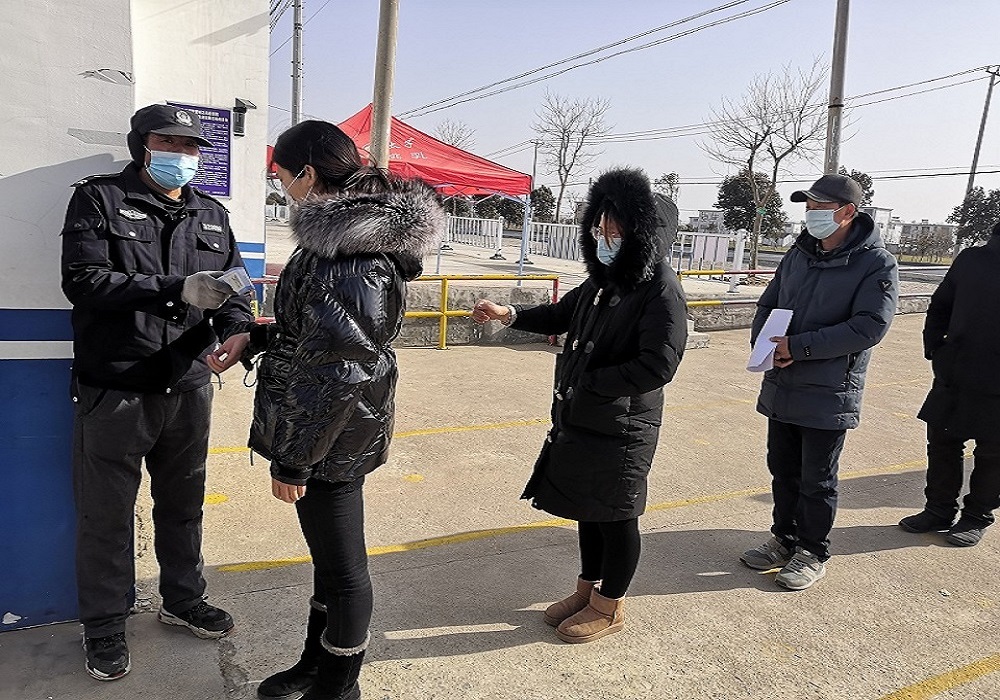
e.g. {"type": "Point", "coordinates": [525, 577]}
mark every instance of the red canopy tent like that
{"type": "Point", "coordinates": [450, 170]}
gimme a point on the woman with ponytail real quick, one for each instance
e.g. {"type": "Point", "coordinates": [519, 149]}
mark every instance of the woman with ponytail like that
{"type": "Point", "coordinates": [323, 410]}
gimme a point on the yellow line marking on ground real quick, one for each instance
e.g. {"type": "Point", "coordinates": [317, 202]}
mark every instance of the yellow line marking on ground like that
{"type": "Point", "coordinates": [506, 425]}
{"type": "Point", "coordinates": [214, 499]}
{"type": "Point", "coordinates": [414, 478]}
{"type": "Point", "coordinates": [936, 685]}
{"type": "Point", "coordinates": [557, 522]}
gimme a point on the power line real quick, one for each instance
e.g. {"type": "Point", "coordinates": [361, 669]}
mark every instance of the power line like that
{"type": "Point", "coordinates": [742, 15]}
{"type": "Point", "coordinates": [577, 56]}
{"type": "Point", "coordinates": [704, 127]}
{"type": "Point", "coordinates": [307, 21]}
{"type": "Point", "coordinates": [275, 16]}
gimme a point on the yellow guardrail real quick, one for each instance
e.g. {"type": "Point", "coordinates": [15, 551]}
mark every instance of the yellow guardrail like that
{"type": "Point", "coordinates": [444, 313]}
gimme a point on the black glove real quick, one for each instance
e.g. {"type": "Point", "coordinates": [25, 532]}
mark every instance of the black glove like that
{"type": "Point", "coordinates": [204, 290]}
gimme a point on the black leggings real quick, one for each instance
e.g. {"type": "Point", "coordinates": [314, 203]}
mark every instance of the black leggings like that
{"type": "Point", "coordinates": [333, 522]}
{"type": "Point", "coordinates": [609, 552]}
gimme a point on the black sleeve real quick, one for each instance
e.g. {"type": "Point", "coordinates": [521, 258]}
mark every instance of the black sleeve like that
{"type": "Point", "coordinates": [939, 312]}
{"type": "Point", "coordinates": [87, 276]}
{"type": "Point", "coordinates": [548, 319]}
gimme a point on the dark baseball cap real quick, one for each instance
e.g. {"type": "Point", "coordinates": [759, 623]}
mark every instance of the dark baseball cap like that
{"type": "Point", "coordinates": [831, 188]}
{"type": "Point", "coordinates": [169, 120]}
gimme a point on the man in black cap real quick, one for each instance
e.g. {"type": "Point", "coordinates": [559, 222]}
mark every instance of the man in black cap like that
{"type": "Point", "coordinates": [142, 252]}
{"type": "Point", "coordinates": [841, 285]}
{"type": "Point", "coordinates": [961, 339]}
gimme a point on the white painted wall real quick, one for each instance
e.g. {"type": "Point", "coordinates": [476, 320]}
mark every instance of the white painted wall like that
{"type": "Point", "coordinates": [209, 52]}
{"type": "Point", "coordinates": [46, 98]}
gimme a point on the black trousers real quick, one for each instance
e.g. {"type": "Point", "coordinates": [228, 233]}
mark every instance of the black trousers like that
{"type": "Point", "coordinates": [333, 522]}
{"type": "Point", "coordinates": [945, 475]}
{"type": "Point", "coordinates": [609, 552]}
{"type": "Point", "coordinates": [113, 432]}
{"type": "Point", "coordinates": [803, 463]}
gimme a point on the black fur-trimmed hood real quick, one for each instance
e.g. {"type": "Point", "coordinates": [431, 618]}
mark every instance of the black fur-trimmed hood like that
{"type": "Point", "coordinates": [644, 242]}
{"type": "Point", "coordinates": [406, 222]}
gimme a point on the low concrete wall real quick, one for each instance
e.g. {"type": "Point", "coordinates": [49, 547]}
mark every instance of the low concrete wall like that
{"type": "Point", "coordinates": [426, 296]}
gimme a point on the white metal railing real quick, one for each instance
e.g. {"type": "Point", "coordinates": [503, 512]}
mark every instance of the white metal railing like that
{"type": "Point", "coordinates": [700, 251]}
{"type": "Point", "coordinates": [555, 240]}
{"type": "Point", "coordinates": [481, 233]}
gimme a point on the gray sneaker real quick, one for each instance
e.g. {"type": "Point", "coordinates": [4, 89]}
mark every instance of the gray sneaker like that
{"type": "Point", "coordinates": [801, 572]}
{"type": "Point", "coordinates": [769, 555]}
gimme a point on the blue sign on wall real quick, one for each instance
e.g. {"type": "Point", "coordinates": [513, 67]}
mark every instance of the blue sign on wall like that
{"type": "Point", "coordinates": [214, 173]}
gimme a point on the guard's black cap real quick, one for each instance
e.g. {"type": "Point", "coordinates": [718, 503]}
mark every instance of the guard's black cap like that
{"type": "Point", "coordinates": [170, 120]}
{"type": "Point", "coordinates": [832, 188]}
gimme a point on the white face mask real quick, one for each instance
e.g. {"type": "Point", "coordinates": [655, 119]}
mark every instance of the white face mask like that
{"type": "Point", "coordinates": [285, 190]}
{"type": "Point", "coordinates": [820, 223]}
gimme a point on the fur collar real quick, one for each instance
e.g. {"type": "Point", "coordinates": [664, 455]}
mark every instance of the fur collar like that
{"type": "Point", "coordinates": [645, 241]}
{"type": "Point", "coordinates": [406, 221]}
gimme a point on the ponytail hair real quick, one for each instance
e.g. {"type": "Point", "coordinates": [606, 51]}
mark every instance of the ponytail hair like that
{"type": "Point", "coordinates": [333, 156]}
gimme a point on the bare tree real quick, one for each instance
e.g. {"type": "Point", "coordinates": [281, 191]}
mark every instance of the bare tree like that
{"type": "Point", "coordinates": [781, 119]}
{"type": "Point", "coordinates": [568, 130]}
{"type": "Point", "coordinates": [456, 133]}
{"type": "Point", "coordinates": [668, 184]}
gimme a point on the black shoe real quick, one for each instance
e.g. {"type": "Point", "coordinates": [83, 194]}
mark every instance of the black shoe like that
{"type": "Point", "coordinates": [338, 678]}
{"type": "Point", "coordinates": [107, 657]}
{"type": "Point", "coordinates": [204, 620]}
{"type": "Point", "coordinates": [291, 683]}
{"type": "Point", "coordinates": [966, 532]}
{"type": "Point", "coordinates": [925, 521]}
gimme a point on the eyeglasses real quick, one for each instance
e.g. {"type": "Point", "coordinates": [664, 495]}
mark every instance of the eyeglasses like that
{"type": "Point", "coordinates": [598, 233]}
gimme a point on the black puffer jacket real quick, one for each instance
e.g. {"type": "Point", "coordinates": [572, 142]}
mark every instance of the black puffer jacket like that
{"type": "Point", "coordinates": [962, 341]}
{"type": "Point", "coordinates": [626, 330]}
{"type": "Point", "coordinates": [324, 402]}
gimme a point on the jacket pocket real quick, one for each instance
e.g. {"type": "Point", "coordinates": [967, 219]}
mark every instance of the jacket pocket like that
{"type": "Point", "coordinates": [135, 247]}
{"type": "Point", "coordinates": [213, 249]}
{"type": "Point", "coordinates": [606, 415]}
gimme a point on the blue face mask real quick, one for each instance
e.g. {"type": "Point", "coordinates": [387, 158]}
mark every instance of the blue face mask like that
{"type": "Point", "coordinates": [820, 223]}
{"type": "Point", "coordinates": [171, 170]}
{"type": "Point", "coordinates": [606, 253]}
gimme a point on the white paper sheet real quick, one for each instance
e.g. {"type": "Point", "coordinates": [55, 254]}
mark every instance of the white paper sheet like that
{"type": "Point", "coordinates": [762, 354]}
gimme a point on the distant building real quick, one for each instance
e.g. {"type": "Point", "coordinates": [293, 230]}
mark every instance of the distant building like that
{"type": "Point", "coordinates": [708, 221]}
{"type": "Point", "coordinates": [883, 224]}
{"type": "Point", "coordinates": [926, 240]}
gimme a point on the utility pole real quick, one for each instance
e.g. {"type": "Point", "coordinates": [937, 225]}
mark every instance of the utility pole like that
{"type": "Point", "coordinates": [994, 72]}
{"type": "Point", "coordinates": [385, 67]}
{"type": "Point", "coordinates": [526, 230]}
{"type": "Point", "coordinates": [297, 62]}
{"type": "Point", "coordinates": [834, 114]}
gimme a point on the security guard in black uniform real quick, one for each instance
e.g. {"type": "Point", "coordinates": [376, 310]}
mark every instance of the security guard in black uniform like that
{"type": "Point", "coordinates": [141, 257]}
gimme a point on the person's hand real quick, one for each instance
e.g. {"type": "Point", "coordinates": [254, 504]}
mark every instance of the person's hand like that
{"type": "Point", "coordinates": [782, 354]}
{"type": "Point", "coordinates": [204, 290]}
{"type": "Point", "coordinates": [485, 310]}
{"type": "Point", "coordinates": [229, 353]}
{"type": "Point", "coordinates": [289, 493]}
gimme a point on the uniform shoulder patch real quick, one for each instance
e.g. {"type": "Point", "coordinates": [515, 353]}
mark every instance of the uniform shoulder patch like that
{"type": "Point", "coordinates": [91, 178]}
{"type": "Point", "coordinates": [886, 285]}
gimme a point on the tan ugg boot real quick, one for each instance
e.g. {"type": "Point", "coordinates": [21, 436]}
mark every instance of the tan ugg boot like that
{"type": "Point", "coordinates": [571, 605]}
{"type": "Point", "coordinates": [601, 617]}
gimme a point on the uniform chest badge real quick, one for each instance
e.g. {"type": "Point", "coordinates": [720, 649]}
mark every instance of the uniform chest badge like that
{"type": "Point", "coordinates": [216, 228]}
{"type": "Point", "coordinates": [132, 214]}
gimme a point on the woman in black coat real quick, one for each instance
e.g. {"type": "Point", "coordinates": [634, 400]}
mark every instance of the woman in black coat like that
{"type": "Point", "coordinates": [626, 328]}
{"type": "Point", "coordinates": [323, 410]}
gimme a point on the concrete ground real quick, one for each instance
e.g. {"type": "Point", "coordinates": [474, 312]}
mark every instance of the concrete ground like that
{"type": "Point", "coordinates": [462, 568]}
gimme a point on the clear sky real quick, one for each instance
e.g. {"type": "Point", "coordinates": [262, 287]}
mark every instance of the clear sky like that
{"type": "Point", "coordinates": [446, 47]}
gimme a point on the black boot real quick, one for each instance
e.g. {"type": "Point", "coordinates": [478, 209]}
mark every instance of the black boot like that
{"type": "Point", "coordinates": [338, 677]}
{"type": "Point", "coordinates": [290, 684]}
